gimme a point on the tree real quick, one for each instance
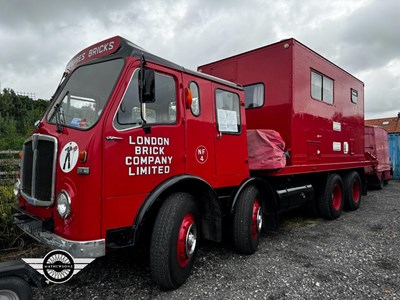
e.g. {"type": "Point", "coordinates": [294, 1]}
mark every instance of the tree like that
{"type": "Point", "coordinates": [17, 117]}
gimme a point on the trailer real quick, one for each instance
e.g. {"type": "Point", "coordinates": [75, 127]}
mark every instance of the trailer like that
{"type": "Point", "coordinates": [135, 147]}
{"type": "Point", "coordinates": [377, 148]}
{"type": "Point", "coordinates": [318, 109]}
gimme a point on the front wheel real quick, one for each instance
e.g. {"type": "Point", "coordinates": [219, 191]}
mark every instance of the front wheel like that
{"type": "Point", "coordinates": [174, 240]}
{"type": "Point", "coordinates": [247, 221]}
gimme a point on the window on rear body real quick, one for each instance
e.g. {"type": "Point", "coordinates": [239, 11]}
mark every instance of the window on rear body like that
{"type": "Point", "coordinates": [321, 87]}
{"type": "Point", "coordinates": [354, 96]}
{"type": "Point", "coordinates": [254, 95]}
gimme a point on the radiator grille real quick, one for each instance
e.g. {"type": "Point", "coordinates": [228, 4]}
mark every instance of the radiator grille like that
{"type": "Point", "coordinates": [38, 169]}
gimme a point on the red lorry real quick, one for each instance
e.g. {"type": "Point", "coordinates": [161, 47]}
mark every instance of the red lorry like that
{"type": "Point", "coordinates": [133, 145]}
{"type": "Point", "coordinates": [377, 149]}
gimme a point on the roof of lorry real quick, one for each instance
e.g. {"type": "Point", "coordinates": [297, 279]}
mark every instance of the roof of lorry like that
{"type": "Point", "coordinates": [289, 40]}
{"type": "Point", "coordinates": [120, 47]}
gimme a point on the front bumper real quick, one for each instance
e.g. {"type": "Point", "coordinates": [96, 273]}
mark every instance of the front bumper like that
{"type": "Point", "coordinates": [34, 228]}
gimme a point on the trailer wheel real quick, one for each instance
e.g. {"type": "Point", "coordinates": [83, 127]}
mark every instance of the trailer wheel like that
{"type": "Point", "coordinates": [247, 221]}
{"type": "Point", "coordinates": [14, 288]}
{"type": "Point", "coordinates": [352, 191]}
{"type": "Point", "coordinates": [381, 182]}
{"type": "Point", "coordinates": [174, 240]}
{"type": "Point", "coordinates": [331, 201]}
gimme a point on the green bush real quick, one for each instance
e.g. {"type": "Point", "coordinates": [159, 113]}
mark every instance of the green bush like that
{"type": "Point", "coordinates": [8, 233]}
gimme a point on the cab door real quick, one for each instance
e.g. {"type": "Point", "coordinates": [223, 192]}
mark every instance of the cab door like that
{"type": "Point", "coordinates": [231, 152]}
{"type": "Point", "coordinates": [200, 128]}
{"type": "Point", "coordinates": [136, 159]}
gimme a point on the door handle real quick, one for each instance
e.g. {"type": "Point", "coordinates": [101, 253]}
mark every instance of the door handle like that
{"type": "Point", "coordinates": [113, 138]}
{"type": "Point", "coordinates": [219, 135]}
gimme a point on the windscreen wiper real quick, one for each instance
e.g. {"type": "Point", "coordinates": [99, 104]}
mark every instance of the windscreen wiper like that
{"type": "Point", "coordinates": [59, 117]}
{"type": "Point", "coordinates": [65, 74]}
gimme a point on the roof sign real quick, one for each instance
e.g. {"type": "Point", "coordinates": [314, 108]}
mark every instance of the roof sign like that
{"type": "Point", "coordinates": [100, 49]}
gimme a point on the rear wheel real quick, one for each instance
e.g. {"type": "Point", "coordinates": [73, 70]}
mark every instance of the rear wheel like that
{"type": "Point", "coordinates": [14, 288]}
{"type": "Point", "coordinates": [381, 182]}
{"type": "Point", "coordinates": [352, 190]}
{"type": "Point", "coordinates": [247, 221]}
{"type": "Point", "coordinates": [330, 203]}
{"type": "Point", "coordinates": [174, 240]}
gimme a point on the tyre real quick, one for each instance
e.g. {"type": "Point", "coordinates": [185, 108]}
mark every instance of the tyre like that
{"type": "Point", "coordinates": [174, 240]}
{"type": "Point", "coordinates": [330, 203]}
{"type": "Point", "coordinates": [381, 182]}
{"type": "Point", "coordinates": [247, 221]}
{"type": "Point", "coordinates": [352, 191]}
{"type": "Point", "coordinates": [14, 288]}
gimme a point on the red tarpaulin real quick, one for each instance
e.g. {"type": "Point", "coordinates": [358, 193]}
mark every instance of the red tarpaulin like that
{"type": "Point", "coordinates": [266, 149]}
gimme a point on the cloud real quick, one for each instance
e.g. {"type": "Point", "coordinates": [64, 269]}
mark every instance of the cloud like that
{"type": "Point", "coordinates": [40, 37]}
{"type": "Point", "coordinates": [382, 90]}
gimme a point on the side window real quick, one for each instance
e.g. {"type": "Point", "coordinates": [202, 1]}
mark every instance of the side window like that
{"type": "Point", "coordinates": [161, 111]}
{"type": "Point", "coordinates": [354, 96]}
{"type": "Point", "coordinates": [228, 111]}
{"type": "Point", "coordinates": [195, 107]}
{"type": "Point", "coordinates": [321, 87]}
{"type": "Point", "coordinates": [254, 95]}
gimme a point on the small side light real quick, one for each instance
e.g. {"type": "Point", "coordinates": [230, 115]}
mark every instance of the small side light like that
{"type": "Point", "coordinates": [189, 98]}
{"type": "Point", "coordinates": [82, 156]}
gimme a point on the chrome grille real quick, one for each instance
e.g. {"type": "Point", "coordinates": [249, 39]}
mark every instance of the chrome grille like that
{"type": "Point", "coordinates": [38, 169]}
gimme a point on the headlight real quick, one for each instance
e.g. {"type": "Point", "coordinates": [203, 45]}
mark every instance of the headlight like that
{"type": "Point", "coordinates": [63, 204]}
{"type": "Point", "coordinates": [16, 188]}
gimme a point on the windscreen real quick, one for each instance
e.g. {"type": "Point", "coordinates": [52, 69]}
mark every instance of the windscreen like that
{"type": "Point", "coordinates": [83, 98]}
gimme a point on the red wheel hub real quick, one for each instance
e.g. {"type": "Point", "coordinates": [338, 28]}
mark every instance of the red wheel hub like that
{"type": "Point", "coordinates": [356, 191]}
{"type": "Point", "coordinates": [337, 197]}
{"type": "Point", "coordinates": [256, 219]}
{"type": "Point", "coordinates": [187, 240]}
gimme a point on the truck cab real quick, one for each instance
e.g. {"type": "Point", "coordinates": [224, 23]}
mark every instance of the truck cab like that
{"type": "Point", "coordinates": [124, 131]}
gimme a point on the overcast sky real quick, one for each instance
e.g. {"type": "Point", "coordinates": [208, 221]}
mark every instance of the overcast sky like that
{"type": "Point", "coordinates": [38, 38]}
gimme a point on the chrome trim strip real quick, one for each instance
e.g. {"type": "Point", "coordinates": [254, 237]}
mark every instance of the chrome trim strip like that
{"type": "Point", "coordinates": [86, 249]}
{"type": "Point", "coordinates": [34, 162]}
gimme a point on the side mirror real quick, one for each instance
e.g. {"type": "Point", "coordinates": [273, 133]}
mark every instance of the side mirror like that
{"type": "Point", "coordinates": [147, 92]}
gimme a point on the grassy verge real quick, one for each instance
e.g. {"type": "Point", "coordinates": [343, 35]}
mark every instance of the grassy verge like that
{"type": "Point", "coordinates": [10, 236]}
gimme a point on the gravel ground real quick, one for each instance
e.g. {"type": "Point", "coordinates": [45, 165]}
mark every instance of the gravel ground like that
{"type": "Point", "coordinates": [354, 257]}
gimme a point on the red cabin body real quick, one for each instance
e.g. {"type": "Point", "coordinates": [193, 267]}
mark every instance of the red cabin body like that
{"type": "Point", "coordinates": [133, 145]}
{"type": "Point", "coordinates": [377, 148]}
{"type": "Point", "coordinates": [317, 107]}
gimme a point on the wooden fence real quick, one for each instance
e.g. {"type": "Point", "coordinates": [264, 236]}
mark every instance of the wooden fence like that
{"type": "Point", "coordinates": [9, 167]}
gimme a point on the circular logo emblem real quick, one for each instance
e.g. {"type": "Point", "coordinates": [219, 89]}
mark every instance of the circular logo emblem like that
{"type": "Point", "coordinates": [58, 266]}
{"type": "Point", "coordinates": [201, 154]}
{"type": "Point", "coordinates": [69, 157]}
